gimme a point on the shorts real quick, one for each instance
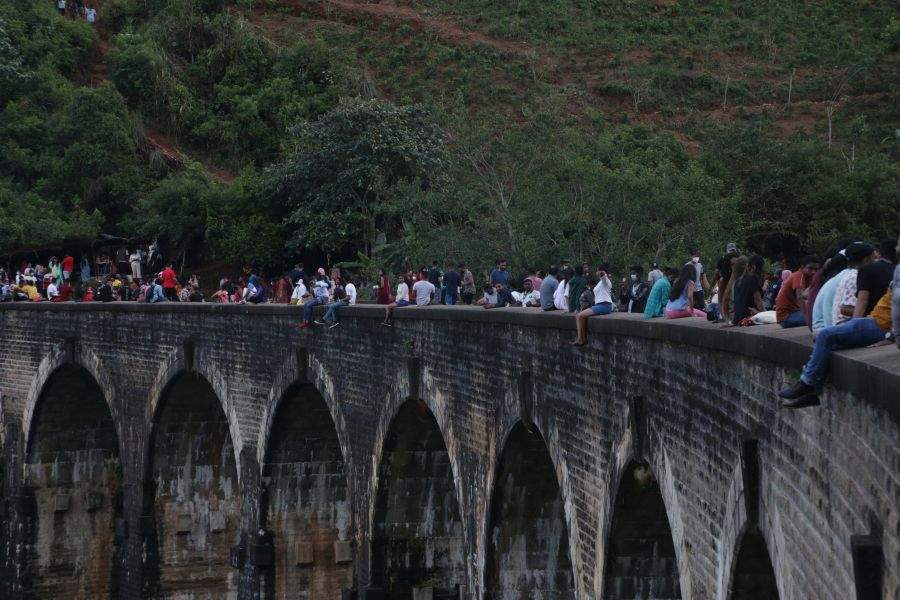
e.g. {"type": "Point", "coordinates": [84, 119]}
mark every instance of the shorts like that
{"type": "Point", "coordinates": [402, 303]}
{"type": "Point", "coordinates": [603, 308]}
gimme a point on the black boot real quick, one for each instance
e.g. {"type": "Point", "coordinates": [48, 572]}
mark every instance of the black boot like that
{"type": "Point", "coordinates": [811, 399]}
{"type": "Point", "coordinates": [797, 390]}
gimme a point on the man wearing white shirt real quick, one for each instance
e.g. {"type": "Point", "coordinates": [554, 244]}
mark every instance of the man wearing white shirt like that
{"type": "Point", "coordinates": [561, 294]}
{"type": "Point", "coordinates": [528, 296]}
{"type": "Point", "coordinates": [52, 290]}
{"type": "Point", "coordinates": [350, 290]}
{"type": "Point", "coordinates": [603, 305]}
{"type": "Point", "coordinates": [134, 258]}
{"type": "Point", "coordinates": [299, 293]}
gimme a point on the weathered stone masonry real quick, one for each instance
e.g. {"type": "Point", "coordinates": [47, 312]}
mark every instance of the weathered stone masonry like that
{"type": "Point", "coordinates": [247, 458]}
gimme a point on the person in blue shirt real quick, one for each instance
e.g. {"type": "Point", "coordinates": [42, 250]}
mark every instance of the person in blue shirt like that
{"type": "Point", "coordinates": [659, 294]}
{"type": "Point", "coordinates": [500, 275]}
{"type": "Point", "coordinates": [452, 280]}
{"type": "Point", "coordinates": [156, 292]}
{"type": "Point", "coordinates": [548, 289]}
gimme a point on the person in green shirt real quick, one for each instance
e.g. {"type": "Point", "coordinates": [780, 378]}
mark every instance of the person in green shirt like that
{"type": "Point", "coordinates": [577, 285]}
{"type": "Point", "coordinates": [659, 294]}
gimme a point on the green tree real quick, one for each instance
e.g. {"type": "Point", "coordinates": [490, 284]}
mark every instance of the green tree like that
{"type": "Point", "coordinates": [344, 172]}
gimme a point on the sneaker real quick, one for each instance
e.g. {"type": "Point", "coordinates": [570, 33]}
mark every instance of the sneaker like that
{"type": "Point", "coordinates": [798, 390]}
{"type": "Point", "coordinates": [304, 325]}
{"type": "Point", "coordinates": [333, 325]}
{"type": "Point", "coordinates": [320, 322]}
{"type": "Point", "coordinates": [387, 324]}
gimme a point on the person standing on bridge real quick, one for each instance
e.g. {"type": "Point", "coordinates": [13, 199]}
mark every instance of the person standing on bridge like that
{"type": "Point", "coordinates": [499, 275]}
{"type": "Point", "coordinates": [701, 284]}
{"type": "Point", "coordinates": [452, 280]}
{"type": "Point", "coordinates": [466, 284]}
{"type": "Point", "coordinates": [68, 265]}
{"type": "Point", "coordinates": [169, 282]}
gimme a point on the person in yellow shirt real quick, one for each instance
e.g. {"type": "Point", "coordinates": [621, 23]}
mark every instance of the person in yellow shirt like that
{"type": "Point", "coordinates": [855, 333]}
{"type": "Point", "coordinates": [28, 288]}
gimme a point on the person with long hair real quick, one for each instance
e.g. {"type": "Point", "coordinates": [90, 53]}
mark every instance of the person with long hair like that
{"type": "Point", "coordinates": [383, 294]}
{"type": "Point", "coordinates": [737, 271]}
{"type": "Point", "coordinates": [830, 276]}
{"type": "Point", "coordinates": [748, 290]}
{"type": "Point", "coordinates": [681, 298]}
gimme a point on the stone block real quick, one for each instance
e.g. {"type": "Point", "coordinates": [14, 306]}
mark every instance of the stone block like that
{"type": "Point", "coordinates": [217, 521]}
{"type": "Point", "coordinates": [94, 501]}
{"type": "Point", "coordinates": [343, 551]}
{"type": "Point", "coordinates": [183, 523]}
{"type": "Point", "coordinates": [62, 502]}
{"type": "Point", "coordinates": [423, 593]}
{"type": "Point", "coordinates": [304, 554]}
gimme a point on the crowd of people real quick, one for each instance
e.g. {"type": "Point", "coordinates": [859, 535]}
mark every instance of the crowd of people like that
{"type": "Point", "coordinates": [77, 9]}
{"type": "Point", "coordinates": [844, 298]}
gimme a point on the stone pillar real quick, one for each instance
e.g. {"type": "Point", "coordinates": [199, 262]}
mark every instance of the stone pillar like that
{"type": "Point", "coordinates": [257, 544]}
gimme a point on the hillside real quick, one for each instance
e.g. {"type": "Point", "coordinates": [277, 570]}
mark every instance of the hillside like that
{"type": "Point", "coordinates": [629, 131]}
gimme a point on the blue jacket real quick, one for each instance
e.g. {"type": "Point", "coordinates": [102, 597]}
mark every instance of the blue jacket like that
{"type": "Point", "coordinates": [658, 298]}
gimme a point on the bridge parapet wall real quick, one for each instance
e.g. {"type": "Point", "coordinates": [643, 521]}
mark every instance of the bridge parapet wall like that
{"type": "Point", "coordinates": [691, 400]}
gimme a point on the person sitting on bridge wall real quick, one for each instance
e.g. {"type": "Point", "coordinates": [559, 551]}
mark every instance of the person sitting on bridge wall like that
{"type": "Point", "coordinates": [321, 294]}
{"type": "Point", "coordinates": [603, 305]}
{"type": "Point", "coordinates": [496, 296]}
{"type": "Point", "coordinates": [659, 294]}
{"type": "Point", "coordinates": [156, 292]}
{"type": "Point", "coordinates": [400, 300]}
{"type": "Point", "coordinates": [860, 330]}
{"type": "Point", "coordinates": [829, 276]}
{"type": "Point", "coordinates": [528, 297]}
{"type": "Point", "coordinates": [331, 318]}
{"type": "Point", "coordinates": [791, 300]}
{"type": "Point", "coordinates": [682, 297]}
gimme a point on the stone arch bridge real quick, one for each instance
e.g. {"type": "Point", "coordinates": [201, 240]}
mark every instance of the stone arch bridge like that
{"type": "Point", "coordinates": [217, 451]}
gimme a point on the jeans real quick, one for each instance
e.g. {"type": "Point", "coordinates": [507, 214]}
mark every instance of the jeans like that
{"type": "Point", "coordinates": [331, 311]}
{"type": "Point", "coordinates": [855, 333]}
{"type": "Point", "coordinates": [308, 308]}
{"type": "Point", "coordinates": [795, 319]}
{"type": "Point", "coordinates": [449, 298]}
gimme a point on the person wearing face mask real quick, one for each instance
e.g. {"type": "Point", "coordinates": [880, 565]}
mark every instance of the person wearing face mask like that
{"type": "Point", "coordinates": [701, 283]}
{"type": "Point", "coordinates": [636, 291]}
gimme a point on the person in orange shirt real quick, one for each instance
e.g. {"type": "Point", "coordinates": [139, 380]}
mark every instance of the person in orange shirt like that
{"type": "Point", "coordinates": [792, 296]}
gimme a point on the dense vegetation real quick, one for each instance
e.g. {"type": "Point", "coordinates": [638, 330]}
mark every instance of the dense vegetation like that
{"type": "Point", "coordinates": [386, 134]}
